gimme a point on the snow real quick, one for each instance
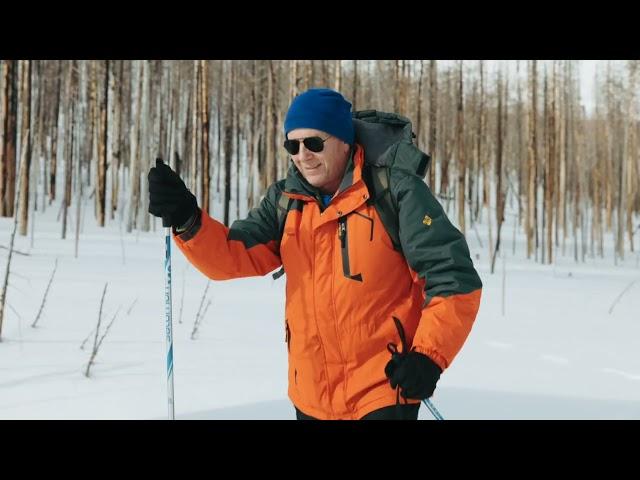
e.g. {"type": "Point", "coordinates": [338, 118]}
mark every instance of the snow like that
{"type": "Point", "coordinates": [555, 353]}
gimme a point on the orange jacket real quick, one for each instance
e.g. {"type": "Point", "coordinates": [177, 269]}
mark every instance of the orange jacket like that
{"type": "Point", "coordinates": [345, 282]}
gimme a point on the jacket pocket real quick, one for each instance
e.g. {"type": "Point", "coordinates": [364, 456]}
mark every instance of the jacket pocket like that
{"type": "Point", "coordinates": [287, 335]}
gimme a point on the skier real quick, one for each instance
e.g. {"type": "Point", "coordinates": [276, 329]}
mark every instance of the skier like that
{"type": "Point", "coordinates": [381, 291]}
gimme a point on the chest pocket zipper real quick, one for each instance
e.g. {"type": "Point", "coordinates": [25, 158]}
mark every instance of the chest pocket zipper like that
{"type": "Point", "coordinates": [344, 247]}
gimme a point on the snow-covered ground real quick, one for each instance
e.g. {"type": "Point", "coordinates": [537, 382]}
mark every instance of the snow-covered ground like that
{"type": "Point", "coordinates": [555, 353]}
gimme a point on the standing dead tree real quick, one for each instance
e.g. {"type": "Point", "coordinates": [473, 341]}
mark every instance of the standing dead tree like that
{"type": "Point", "coordinates": [500, 196]}
{"type": "Point", "coordinates": [5, 283]}
{"type": "Point", "coordinates": [94, 350]}
{"type": "Point", "coordinates": [532, 151]}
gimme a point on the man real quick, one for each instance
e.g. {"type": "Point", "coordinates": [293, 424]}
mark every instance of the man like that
{"type": "Point", "coordinates": [351, 297]}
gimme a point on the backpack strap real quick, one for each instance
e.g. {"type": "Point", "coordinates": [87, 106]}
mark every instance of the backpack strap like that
{"type": "Point", "coordinates": [285, 203]}
{"type": "Point", "coordinates": [384, 203]}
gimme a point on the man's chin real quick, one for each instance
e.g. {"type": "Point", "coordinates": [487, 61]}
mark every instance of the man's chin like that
{"type": "Point", "coordinates": [314, 181]}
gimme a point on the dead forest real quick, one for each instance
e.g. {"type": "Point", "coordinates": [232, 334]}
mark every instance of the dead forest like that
{"type": "Point", "coordinates": [506, 138]}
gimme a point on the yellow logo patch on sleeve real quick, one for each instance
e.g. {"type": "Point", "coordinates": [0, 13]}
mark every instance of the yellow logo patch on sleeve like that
{"type": "Point", "coordinates": [426, 220]}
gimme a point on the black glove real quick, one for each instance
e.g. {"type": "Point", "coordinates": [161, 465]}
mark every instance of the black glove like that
{"type": "Point", "coordinates": [415, 374]}
{"type": "Point", "coordinates": [169, 197]}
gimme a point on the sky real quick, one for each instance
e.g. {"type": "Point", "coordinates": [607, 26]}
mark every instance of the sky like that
{"type": "Point", "coordinates": [561, 343]}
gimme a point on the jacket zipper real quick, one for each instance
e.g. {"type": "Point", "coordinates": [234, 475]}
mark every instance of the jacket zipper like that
{"type": "Point", "coordinates": [344, 247]}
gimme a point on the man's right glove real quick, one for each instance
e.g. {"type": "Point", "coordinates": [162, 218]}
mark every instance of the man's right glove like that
{"type": "Point", "coordinates": [169, 197]}
{"type": "Point", "coordinates": [416, 374]}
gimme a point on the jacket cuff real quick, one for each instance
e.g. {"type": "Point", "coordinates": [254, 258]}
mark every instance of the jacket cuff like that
{"type": "Point", "coordinates": [192, 228]}
{"type": "Point", "coordinates": [438, 359]}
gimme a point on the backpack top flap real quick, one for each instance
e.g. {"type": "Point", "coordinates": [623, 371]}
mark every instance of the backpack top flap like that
{"type": "Point", "coordinates": [387, 139]}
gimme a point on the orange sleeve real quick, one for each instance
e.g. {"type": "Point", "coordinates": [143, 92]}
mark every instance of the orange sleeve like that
{"type": "Point", "coordinates": [445, 325]}
{"type": "Point", "coordinates": [219, 258]}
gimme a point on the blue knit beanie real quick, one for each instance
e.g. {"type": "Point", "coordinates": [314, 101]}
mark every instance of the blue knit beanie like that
{"type": "Point", "coordinates": [321, 109]}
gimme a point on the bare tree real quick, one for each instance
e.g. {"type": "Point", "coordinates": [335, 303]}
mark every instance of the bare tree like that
{"type": "Point", "coordinates": [419, 101]}
{"type": "Point", "coordinates": [204, 109]}
{"type": "Point", "coordinates": [5, 283]}
{"type": "Point", "coordinates": [498, 173]}
{"type": "Point", "coordinates": [25, 107]}
{"type": "Point", "coordinates": [228, 139]}
{"type": "Point", "coordinates": [631, 154]}
{"type": "Point", "coordinates": [134, 157]}
{"type": "Point", "coordinates": [101, 171]}
{"type": "Point", "coordinates": [56, 121]}
{"type": "Point", "coordinates": [462, 167]}
{"type": "Point", "coordinates": [550, 164]}
{"type": "Point", "coordinates": [531, 223]}
{"type": "Point", "coordinates": [354, 94]}
{"type": "Point", "coordinates": [433, 125]}
{"type": "Point", "coordinates": [70, 100]}
{"type": "Point", "coordinates": [271, 127]}
{"type": "Point", "coordinates": [5, 125]}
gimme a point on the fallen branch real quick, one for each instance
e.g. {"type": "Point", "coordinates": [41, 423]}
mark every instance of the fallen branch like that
{"type": "Point", "coordinates": [131, 307]}
{"type": "Point", "coordinates": [620, 296]}
{"type": "Point", "coordinates": [44, 299]}
{"type": "Point", "coordinates": [24, 277]}
{"type": "Point", "coordinates": [87, 338]}
{"type": "Point", "coordinates": [198, 321]}
{"type": "Point", "coordinates": [17, 252]}
{"type": "Point", "coordinates": [14, 311]}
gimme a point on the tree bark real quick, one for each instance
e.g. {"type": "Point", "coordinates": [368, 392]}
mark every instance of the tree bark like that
{"type": "Point", "coordinates": [25, 170]}
{"type": "Point", "coordinates": [531, 223]}
{"type": "Point", "coordinates": [433, 125]}
{"type": "Point", "coordinates": [204, 109]}
{"type": "Point", "coordinates": [462, 167]}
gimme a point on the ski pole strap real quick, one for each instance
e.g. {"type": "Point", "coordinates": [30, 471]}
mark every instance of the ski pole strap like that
{"type": "Point", "coordinates": [393, 349]}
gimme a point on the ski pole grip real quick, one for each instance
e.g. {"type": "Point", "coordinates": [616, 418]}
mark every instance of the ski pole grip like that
{"type": "Point", "coordinates": [166, 219]}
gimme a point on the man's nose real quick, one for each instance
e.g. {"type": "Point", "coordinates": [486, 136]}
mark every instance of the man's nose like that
{"type": "Point", "coordinates": [303, 152]}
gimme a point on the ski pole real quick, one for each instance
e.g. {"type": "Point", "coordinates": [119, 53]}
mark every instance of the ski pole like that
{"type": "Point", "coordinates": [166, 223]}
{"type": "Point", "coordinates": [434, 411]}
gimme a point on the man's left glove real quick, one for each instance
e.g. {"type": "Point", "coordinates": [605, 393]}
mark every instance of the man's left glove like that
{"type": "Point", "coordinates": [416, 374]}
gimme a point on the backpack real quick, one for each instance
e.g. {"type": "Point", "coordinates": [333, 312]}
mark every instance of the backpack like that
{"type": "Point", "coordinates": [387, 139]}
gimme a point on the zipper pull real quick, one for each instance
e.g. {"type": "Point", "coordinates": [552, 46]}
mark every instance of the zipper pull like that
{"type": "Point", "coordinates": [342, 231]}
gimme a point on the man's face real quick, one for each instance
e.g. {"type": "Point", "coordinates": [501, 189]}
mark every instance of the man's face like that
{"type": "Point", "coordinates": [324, 170]}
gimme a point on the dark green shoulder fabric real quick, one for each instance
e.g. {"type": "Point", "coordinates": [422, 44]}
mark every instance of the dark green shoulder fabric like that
{"type": "Point", "coordinates": [433, 247]}
{"type": "Point", "coordinates": [261, 225]}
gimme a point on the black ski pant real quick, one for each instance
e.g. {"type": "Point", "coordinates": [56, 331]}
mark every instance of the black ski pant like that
{"type": "Point", "coordinates": [392, 412]}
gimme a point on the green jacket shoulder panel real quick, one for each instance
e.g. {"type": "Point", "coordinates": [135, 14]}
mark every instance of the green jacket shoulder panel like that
{"type": "Point", "coordinates": [433, 247]}
{"type": "Point", "coordinates": [261, 224]}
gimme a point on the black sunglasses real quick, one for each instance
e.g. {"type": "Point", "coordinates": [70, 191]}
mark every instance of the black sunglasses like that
{"type": "Point", "coordinates": [313, 144]}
